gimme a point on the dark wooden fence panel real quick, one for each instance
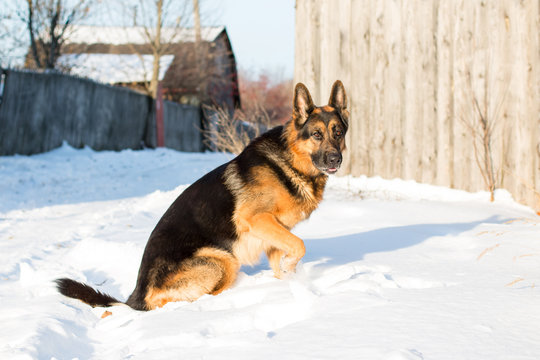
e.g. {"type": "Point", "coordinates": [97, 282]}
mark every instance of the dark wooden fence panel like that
{"type": "Point", "coordinates": [38, 111]}
{"type": "Point", "coordinates": [182, 127]}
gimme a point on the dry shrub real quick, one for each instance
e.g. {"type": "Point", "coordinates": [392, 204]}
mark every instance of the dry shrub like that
{"type": "Point", "coordinates": [481, 116]}
{"type": "Point", "coordinates": [231, 134]}
{"type": "Point", "coordinates": [266, 101]}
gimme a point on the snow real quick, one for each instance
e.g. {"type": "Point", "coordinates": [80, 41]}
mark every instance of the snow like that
{"type": "Point", "coordinates": [115, 68]}
{"type": "Point", "coordinates": [393, 270]}
{"type": "Point", "coordinates": [117, 35]}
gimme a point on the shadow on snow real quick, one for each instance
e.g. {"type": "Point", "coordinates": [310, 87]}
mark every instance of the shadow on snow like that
{"type": "Point", "coordinates": [353, 247]}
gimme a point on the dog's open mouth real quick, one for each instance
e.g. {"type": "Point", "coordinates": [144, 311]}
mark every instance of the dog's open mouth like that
{"type": "Point", "coordinates": [331, 170]}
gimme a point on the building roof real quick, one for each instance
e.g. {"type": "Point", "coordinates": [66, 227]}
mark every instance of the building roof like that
{"type": "Point", "coordinates": [114, 68]}
{"type": "Point", "coordinates": [113, 55]}
{"type": "Point", "coordinates": [117, 35]}
{"type": "Point", "coordinates": [109, 54]}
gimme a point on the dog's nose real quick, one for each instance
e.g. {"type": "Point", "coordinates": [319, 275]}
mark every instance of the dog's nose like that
{"type": "Point", "coordinates": [334, 159]}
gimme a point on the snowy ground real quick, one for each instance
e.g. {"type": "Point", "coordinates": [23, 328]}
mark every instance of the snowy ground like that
{"type": "Point", "coordinates": [393, 270]}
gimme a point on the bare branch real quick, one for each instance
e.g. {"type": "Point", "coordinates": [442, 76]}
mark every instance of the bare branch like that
{"type": "Point", "coordinates": [151, 20]}
{"type": "Point", "coordinates": [233, 133]}
{"type": "Point", "coordinates": [47, 24]}
{"type": "Point", "coordinates": [481, 123]}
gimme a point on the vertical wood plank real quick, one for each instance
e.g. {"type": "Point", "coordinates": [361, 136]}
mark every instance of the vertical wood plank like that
{"type": "Point", "coordinates": [412, 135]}
{"type": "Point", "coordinates": [427, 95]}
{"type": "Point", "coordinates": [359, 89]}
{"type": "Point", "coordinates": [444, 131]}
{"type": "Point", "coordinates": [463, 75]}
{"type": "Point", "coordinates": [307, 40]}
{"type": "Point", "coordinates": [392, 146]}
{"type": "Point", "coordinates": [378, 69]}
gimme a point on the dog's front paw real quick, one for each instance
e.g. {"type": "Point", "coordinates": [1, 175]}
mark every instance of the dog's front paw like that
{"type": "Point", "coordinates": [280, 275]}
{"type": "Point", "coordinates": [288, 265]}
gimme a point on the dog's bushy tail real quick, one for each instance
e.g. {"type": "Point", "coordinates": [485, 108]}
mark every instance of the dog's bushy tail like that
{"type": "Point", "coordinates": [85, 293]}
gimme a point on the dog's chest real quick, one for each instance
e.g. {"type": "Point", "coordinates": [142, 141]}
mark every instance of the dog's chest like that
{"type": "Point", "coordinates": [311, 194]}
{"type": "Point", "coordinates": [248, 248]}
{"type": "Point", "coordinates": [295, 212]}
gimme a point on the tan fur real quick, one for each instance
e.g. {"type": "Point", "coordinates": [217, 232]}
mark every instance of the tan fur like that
{"type": "Point", "coordinates": [274, 260]}
{"type": "Point", "coordinates": [248, 248]}
{"type": "Point", "coordinates": [300, 151]}
{"type": "Point", "coordinates": [209, 271]}
{"type": "Point", "coordinates": [328, 108]}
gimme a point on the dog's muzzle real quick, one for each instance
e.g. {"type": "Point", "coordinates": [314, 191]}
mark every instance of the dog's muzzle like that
{"type": "Point", "coordinates": [333, 162]}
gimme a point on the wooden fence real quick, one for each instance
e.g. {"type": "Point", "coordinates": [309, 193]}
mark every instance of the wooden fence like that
{"type": "Point", "coordinates": [420, 75]}
{"type": "Point", "coordinates": [38, 111]}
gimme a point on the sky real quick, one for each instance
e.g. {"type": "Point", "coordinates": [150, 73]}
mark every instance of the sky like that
{"type": "Point", "coordinates": [261, 31]}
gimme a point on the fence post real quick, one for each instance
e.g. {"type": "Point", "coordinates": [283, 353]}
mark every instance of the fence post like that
{"type": "Point", "coordinates": [160, 128]}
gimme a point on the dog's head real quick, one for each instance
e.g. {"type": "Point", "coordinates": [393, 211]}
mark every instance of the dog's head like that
{"type": "Point", "coordinates": [317, 134]}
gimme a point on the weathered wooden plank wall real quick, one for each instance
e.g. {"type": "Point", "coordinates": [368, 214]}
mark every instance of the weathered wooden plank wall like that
{"type": "Point", "coordinates": [413, 70]}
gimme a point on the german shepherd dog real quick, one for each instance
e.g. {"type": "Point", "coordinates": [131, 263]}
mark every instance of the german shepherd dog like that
{"type": "Point", "coordinates": [240, 209]}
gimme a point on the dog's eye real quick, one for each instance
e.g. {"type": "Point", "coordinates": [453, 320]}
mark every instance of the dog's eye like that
{"type": "Point", "coordinates": [339, 133]}
{"type": "Point", "coordinates": [317, 135]}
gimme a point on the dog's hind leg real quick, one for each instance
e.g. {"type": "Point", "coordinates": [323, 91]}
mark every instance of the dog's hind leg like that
{"type": "Point", "coordinates": [209, 271]}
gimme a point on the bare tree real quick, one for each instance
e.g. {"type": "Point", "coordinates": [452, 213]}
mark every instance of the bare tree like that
{"type": "Point", "coordinates": [47, 23]}
{"type": "Point", "coordinates": [165, 26]}
{"type": "Point", "coordinates": [198, 39]}
{"type": "Point", "coordinates": [5, 38]}
{"type": "Point", "coordinates": [153, 17]}
{"type": "Point", "coordinates": [13, 44]}
{"type": "Point", "coordinates": [157, 48]}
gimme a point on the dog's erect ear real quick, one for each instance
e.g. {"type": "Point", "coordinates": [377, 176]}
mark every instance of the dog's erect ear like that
{"type": "Point", "coordinates": [302, 104]}
{"type": "Point", "coordinates": [338, 100]}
